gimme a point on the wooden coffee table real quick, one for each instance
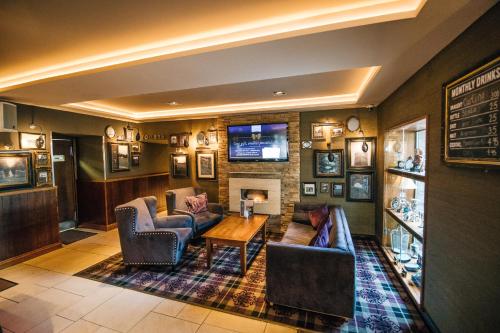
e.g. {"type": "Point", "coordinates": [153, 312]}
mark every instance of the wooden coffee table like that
{"type": "Point", "coordinates": [235, 231]}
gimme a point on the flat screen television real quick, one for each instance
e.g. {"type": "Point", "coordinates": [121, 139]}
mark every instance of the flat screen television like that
{"type": "Point", "coordinates": [258, 143]}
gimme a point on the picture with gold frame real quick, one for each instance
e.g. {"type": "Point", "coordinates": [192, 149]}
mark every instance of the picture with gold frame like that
{"type": "Point", "coordinates": [42, 159]}
{"type": "Point", "coordinates": [43, 177]}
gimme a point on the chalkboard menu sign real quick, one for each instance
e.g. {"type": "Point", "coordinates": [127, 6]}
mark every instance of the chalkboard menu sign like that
{"type": "Point", "coordinates": [472, 117]}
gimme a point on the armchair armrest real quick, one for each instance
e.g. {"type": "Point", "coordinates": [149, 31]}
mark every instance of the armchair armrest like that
{"type": "Point", "coordinates": [322, 279]}
{"type": "Point", "coordinates": [174, 221]}
{"type": "Point", "coordinates": [183, 212]}
{"type": "Point", "coordinates": [215, 208]}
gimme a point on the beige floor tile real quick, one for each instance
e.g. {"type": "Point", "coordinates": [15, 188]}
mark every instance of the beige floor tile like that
{"type": "Point", "coordinates": [33, 311]}
{"type": "Point", "coordinates": [124, 310]}
{"type": "Point", "coordinates": [83, 326]}
{"type": "Point", "coordinates": [169, 307]}
{"type": "Point", "coordinates": [156, 323]}
{"type": "Point", "coordinates": [22, 291]}
{"type": "Point", "coordinates": [68, 261]}
{"type": "Point", "coordinates": [95, 248]}
{"type": "Point", "coordinates": [30, 274]}
{"type": "Point", "coordinates": [195, 314]}
{"type": "Point", "coordinates": [205, 328]}
{"type": "Point", "coordinates": [79, 286]}
{"type": "Point", "coordinates": [273, 328]}
{"type": "Point", "coordinates": [54, 324]}
{"type": "Point", "coordinates": [90, 302]}
{"type": "Point", "coordinates": [236, 323]}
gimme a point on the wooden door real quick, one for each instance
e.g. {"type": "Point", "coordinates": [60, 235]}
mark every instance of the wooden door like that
{"type": "Point", "coordinates": [65, 178]}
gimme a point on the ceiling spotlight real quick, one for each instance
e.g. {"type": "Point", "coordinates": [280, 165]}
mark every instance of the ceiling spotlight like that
{"type": "Point", "coordinates": [279, 93]}
{"type": "Point", "coordinates": [172, 103]}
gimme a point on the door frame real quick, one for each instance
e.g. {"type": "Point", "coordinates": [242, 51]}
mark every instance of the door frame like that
{"type": "Point", "coordinates": [75, 171]}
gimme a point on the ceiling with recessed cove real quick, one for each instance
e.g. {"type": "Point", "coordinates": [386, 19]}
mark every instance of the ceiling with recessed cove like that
{"type": "Point", "coordinates": [187, 59]}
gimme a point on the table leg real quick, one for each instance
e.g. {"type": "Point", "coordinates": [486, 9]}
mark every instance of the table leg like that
{"type": "Point", "coordinates": [243, 258]}
{"type": "Point", "coordinates": [209, 252]}
{"type": "Point", "coordinates": [264, 229]}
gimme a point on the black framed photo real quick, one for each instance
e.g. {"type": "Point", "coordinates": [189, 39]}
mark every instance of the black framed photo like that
{"type": "Point", "coordinates": [360, 186]}
{"type": "Point", "coordinates": [206, 164]}
{"type": "Point", "coordinates": [43, 177]}
{"type": "Point", "coordinates": [32, 140]}
{"type": "Point", "coordinates": [179, 165]}
{"type": "Point", "coordinates": [135, 148]}
{"type": "Point", "coordinates": [42, 159]}
{"type": "Point", "coordinates": [120, 157]}
{"type": "Point", "coordinates": [136, 160]}
{"type": "Point", "coordinates": [338, 190]}
{"type": "Point", "coordinates": [174, 140]}
{"type": "Point", "coordinates": [324, 187]}
{"type": "Point", "coordinates": [309, 188]}
{"type": "Point", "coordinates": [323, 167]}
{"type": "Point", "coordinates": [361, 153]}
{"type": "Point", "coordinates": [15, 170]}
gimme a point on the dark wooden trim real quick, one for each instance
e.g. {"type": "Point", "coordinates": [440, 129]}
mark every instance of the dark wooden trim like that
{"type": "Point", "coordinates": [29, 255]}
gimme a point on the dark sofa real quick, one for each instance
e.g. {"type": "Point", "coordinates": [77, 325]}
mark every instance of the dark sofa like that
{"type": "Point", "coordinates": [312, 278]}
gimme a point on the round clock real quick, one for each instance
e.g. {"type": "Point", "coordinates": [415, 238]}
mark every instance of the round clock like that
{"type": "Point", "coordinates": [110, 132]}
{"type": "Point", "coordinates": [353, 123]}
{"type": "Point", "coordinates": [395, 203]}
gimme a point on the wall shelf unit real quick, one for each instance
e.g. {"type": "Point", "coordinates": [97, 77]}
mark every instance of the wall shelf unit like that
{"type": "Point", "coordinates": [405, 179]}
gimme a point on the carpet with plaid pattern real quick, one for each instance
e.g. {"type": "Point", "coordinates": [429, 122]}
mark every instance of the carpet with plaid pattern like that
{"type": "Point", "coordinates": [382, 305]}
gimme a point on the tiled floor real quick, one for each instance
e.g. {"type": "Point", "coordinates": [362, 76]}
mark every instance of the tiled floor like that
{"type": "Point", "coordinates": [49, 299]}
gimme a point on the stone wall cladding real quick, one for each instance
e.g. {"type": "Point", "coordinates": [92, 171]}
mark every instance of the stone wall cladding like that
{"type": "Point", "coordinates": [290, 171]}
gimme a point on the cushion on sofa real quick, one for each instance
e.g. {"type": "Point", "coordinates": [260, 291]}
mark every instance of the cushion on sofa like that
{"type": "Point", "coordinates": [318, 216]}
{"type": "Point", "coordinates": [321, 239]}
{"type": "Point", "coordinates": [197, 204]}
{"type": "Point", "coordinates": [298, 234]}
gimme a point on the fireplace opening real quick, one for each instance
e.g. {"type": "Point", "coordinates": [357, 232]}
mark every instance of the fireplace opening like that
{"type": "Point", "coordinates": [258, 196]}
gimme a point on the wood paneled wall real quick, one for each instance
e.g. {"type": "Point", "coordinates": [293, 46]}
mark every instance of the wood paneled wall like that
{"type": "Point", "coordinates": [98, 199]}
{"type": "Point", "coordinates": [28, 224]}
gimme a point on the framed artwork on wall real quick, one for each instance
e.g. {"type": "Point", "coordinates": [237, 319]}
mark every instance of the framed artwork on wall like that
{"type": "Point", "coordinates": [317, 131]}
{"type": "Point", "coordinates": [329, 163]}
{"type": "Point", "coordinates": [135, 148]}
{"type": "Point", "coordinates": [360, 186]}
{"type": "Point", "coordinates": [32, 140]}
{"type": "Point", "coordinates": [206, 164]}
{"type": "Point", "coordinates": [43, 177]}
{"type": "Point", "coordinates": [338, 190]}
{"type": "Point", "coordinates": [120, 156]}
{"type": "Point", "coordinates": [42, 159]}
{"type": "Point", "coordinates": [324, 187]}
{"type": "Point", "coordinates": [174, 140]}
{"type": "Point", "coordinates": [136, 160]}
{"type": "Point", "coordinates": [309, 188]}
{"type": "Point", "coordinates": [212, 137]}
{"type": "Point", "coordinates": [179, 165]}
{"type": "Point", "coordinates": [361, 153]}
{"type": "Point", "coordinates": [15, 170]}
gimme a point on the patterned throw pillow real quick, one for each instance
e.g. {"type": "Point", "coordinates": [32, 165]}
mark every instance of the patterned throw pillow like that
{"type": "Point", "coordinates": [197, 204]}
{"type": "Point", "coordinates": [322, 238]}
{"type": "Point", "coordinates": [317, 216]}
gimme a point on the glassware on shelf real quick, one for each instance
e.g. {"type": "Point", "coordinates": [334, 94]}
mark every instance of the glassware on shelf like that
{"type": "Point", "coordinates": [400, 241]}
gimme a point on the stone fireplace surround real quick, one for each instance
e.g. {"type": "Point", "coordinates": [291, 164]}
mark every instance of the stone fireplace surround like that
{"type": "Point", "coordinates": [238, 182]}
{"type": "Point", "coordinates": [288, 173]}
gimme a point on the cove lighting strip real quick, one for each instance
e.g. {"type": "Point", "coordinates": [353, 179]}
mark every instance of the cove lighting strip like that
{"type": "Point", "coordinates": [335, 17]}
{"type": "Point", "coordinates": [297, 103]}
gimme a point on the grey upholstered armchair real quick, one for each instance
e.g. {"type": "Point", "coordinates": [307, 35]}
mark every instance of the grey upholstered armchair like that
{"type": "Point", "coordinates": [147, 239]}
{"type": "Point", "coordinates": [176, 204]}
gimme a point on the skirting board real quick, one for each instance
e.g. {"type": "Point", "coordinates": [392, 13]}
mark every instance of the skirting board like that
{"type": "Point", "coordinates": [29, 255]}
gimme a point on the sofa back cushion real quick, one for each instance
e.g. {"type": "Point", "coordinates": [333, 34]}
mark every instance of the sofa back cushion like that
{"type": "Point", "coordinates": [144, 221]}
{"type": "Point", "coordinates": [180, 196]}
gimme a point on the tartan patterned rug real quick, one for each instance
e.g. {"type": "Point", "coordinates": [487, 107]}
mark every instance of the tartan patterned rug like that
{"type": "Point", "coordinates": [382, 305]}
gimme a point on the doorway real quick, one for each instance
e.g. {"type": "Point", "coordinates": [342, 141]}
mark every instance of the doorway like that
{"type": "Point", "coordinates": [65, 176]}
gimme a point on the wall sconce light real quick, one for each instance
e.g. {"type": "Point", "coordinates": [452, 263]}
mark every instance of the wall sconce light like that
{"type": "Point", "coordinates": [40, 141]}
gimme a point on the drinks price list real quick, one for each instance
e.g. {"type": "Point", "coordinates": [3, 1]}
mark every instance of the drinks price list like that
{"type": "Point", "coordinates": [472, 117]}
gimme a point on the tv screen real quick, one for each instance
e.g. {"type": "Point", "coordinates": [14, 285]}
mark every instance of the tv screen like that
{"type": "Point", "coordinates": [261, 142]}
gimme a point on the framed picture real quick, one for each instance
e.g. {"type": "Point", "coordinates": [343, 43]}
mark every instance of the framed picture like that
{"type": "Point", "coordinates": [337, 130]}
{"type": "Point", "coordinates": [324, 187]}
{"type": "Point", "coordinates": [128, 133]}
{"type": "Point", "coordinates": [135, 148]}
{"type": "Point", "coordinates": [136, 160]}
{"type": "Point", "coordinates": [174, 140]}
{"type": "Point", "coordinates": [179, 165]}
{"type": "Point", "coordinates": [120, 156]}
{"type": "Point", "coordinates": [361, 153]}
{"type": "Point", "coordinates": [183, 140]}
{"type": "Point", "coordinates": [323, 131]}
{"type": "Point", "coordinates": [360, 186]}
{"type": "Point", "coordinates": [42, 159]}
{"type": "Point", "coordinates": [15, 170]}
{"type": "Point", "coordinates": [32, 140]}
{"type": "Point", "coordinates": [309, 189]}
{"type": "Point", "coordinates": [206, 161]}
{"type": "Point", "coordinates": [317, 131]}
{"type": "Point", "coordinates": [323, 167]}
{"type": "Point", "coordinates": [212, 137]}
{"type": "Point", "coordinates": [338, 190]}
{"type": "Point", "coordinates": [43, 177]}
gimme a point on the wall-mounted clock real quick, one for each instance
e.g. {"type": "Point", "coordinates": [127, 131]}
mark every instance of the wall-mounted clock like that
{"type": "Point", "coordinates": [110, 132]}
{"type": "Point", "coordinates": [353, 123]}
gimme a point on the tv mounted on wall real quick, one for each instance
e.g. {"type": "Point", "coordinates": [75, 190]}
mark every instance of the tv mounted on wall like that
{"type": "Point", "coordinates": [258, 143]}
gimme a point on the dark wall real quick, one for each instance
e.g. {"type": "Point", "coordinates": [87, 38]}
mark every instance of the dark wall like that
{"type": "Point", "coordinates": [462, 252]}
{"type": "Point", "coordinates": [360, 215]}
